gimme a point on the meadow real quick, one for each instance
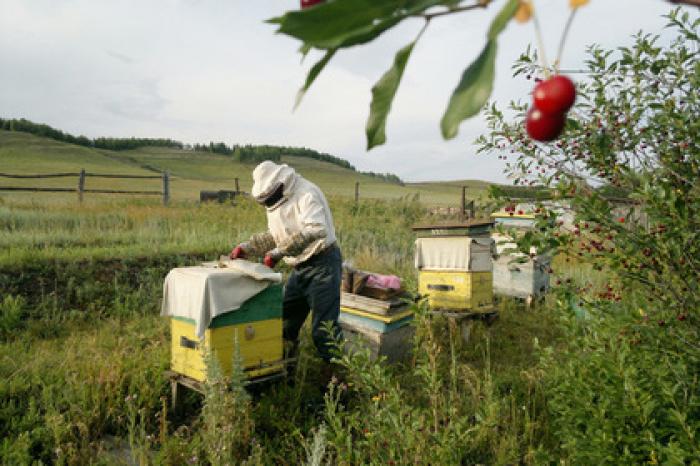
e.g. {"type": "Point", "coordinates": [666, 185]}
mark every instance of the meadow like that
{"type": "Point", "coordinates": [82, 291]}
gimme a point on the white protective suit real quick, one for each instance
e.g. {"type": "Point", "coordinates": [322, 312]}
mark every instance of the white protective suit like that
{"type": "Point", "coordinates": [301, 210]}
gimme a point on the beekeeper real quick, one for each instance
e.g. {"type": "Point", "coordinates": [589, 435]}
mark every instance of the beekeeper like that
{"type": "Point", "coordinates": [301, 233]}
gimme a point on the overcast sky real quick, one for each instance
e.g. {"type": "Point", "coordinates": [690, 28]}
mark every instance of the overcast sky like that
{"type": "Point", "coordinates": [212, 70]}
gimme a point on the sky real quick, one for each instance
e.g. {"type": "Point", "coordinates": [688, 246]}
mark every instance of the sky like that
{"type": "Point", "coordinates": [213, 70]}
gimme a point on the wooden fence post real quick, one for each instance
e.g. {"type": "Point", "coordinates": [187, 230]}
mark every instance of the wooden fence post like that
{"type": "Point", "coordinates": [463, 210]}
{"type": "Point", "coordinates": [357, 192]}
{"type": "Point", "coordinates": [81, 185]}
{"type": "Point", "coordinates": [238, 189]}
{"type": "Point", "coordinates": [166, 187]}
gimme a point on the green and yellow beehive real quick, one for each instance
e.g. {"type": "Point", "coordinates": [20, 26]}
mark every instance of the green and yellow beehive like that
{"type": "Point", "coordinates": [256, 327]}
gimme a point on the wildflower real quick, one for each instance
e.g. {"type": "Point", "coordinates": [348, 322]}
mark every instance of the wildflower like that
{"type": "Point", "coordinates": [577, 3]}
{"type": "Point", "coordinates": [375, 398]}
{"type": "Point", "coordinates": [524, 11]}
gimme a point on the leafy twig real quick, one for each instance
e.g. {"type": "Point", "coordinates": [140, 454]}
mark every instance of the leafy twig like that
{"type": "Point", "coordinates": [480, 4]}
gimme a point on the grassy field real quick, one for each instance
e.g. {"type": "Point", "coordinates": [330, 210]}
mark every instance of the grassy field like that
{"type": "Point", "coordinates": [22, 153]}
{"type": "Point", "coordinates": [83, 350]}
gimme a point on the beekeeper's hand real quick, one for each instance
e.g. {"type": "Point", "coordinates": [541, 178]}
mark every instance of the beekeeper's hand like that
{"type": "Point", "coordinates": [239, 252]}
{"type": "Point", "coordinates": [272, 258]}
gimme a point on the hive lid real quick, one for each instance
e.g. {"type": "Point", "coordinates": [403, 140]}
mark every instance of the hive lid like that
{"type": "Point", "coordinates": [476, 227]}
{"type": "Point", "coordinates": [512, 215]}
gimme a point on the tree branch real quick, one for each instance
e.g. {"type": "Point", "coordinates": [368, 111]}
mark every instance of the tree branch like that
{"type": "Point", "coordinates": [687, 2]}
{"type": "Point", "coordinates": [479, 4]}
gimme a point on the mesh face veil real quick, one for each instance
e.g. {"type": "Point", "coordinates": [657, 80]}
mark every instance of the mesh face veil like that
{"type": "Point", "coordinates": [275, 197]}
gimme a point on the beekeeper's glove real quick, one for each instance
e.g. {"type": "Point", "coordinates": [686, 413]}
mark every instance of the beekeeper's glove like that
{"type": "Point", "coordinates": [239, 252]}
{"type": "Point", "coordinates": [272, 257]}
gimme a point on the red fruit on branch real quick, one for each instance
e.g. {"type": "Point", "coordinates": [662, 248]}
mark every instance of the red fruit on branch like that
{"type": "Point", "coordinates": [310, 3]}
{"type": "Point", "coordinates": [554, 95]}
{"type": "Point", "coordinates": [543, 126]}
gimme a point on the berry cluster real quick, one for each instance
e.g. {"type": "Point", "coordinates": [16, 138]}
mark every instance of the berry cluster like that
{"type": "Point", "coordinates": [510, 209]}
{"type": "Point", "coordinates": [552, 98]}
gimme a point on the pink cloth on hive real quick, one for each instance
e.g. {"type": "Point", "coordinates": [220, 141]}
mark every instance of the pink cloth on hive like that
{"type": "Point", "coordinates": [384, 281]}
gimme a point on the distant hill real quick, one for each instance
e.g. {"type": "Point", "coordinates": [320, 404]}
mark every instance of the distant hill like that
{"type": "Point", "coordinates": [191, 171]}
{"type": "Point", "coordinates": [241, 153]}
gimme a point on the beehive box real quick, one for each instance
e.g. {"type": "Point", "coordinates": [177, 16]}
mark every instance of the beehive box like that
{"type": "Point", "coordinates": [518, 275]}
{"type": "Point", "coordinates": [455, 267]}
{"type": "Point", "coordinates": [528, 280]}
{"type": "Point", "coordinates": [514, 273]}
{"type": "Point", "coordinates": [256, 327]}
{"type": "Point", "coordinates": [457, 291]}
{"type": "Point", "coordinates": [389, 336]}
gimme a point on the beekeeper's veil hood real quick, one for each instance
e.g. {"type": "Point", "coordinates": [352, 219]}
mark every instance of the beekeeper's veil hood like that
{"type": "Point", "coordinates": [268, 178]}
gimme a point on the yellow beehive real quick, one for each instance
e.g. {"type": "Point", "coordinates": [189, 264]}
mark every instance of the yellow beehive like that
{"type": "Point", "coordinates": [256, 328]}
{"type": "Point", "coordinates": [457, 291]}
{"type": "Point", "coordinates": [455, 269]}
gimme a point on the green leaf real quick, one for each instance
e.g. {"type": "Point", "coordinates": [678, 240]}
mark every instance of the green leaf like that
{"type": "Point", "coordinates": [476, 84]}
{"type": "Point", "coordinates": [501, 20]}
{"type": "Point", "coordinates": [313, 74]}
{"type": "Point", "coordinates": [344, 23]}
{"type": "Point", "coordinates": [472, 92]}
{"type": "Point", "coordinates": [383, 95]}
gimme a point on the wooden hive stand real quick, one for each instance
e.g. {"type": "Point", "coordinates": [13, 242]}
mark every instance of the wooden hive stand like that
{"type": "Point", "coordinates": [179, 381]}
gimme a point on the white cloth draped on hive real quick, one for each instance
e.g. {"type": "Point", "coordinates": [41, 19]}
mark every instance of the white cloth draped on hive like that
{"type": "Point", "coordinates": [204, 292]}
{"type": "Point", "coordinates": [459, 253]}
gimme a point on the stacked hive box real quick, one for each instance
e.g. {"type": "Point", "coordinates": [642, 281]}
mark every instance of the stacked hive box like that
{"type": "Point", "coordinates": [383, 326]}
{"type": "Point", "coordinates": [514, 273]}
{"type": "Point", "coordinates": [455, 266]}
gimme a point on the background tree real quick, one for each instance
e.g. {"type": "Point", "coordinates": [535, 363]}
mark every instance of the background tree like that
{"type": "Point", "coordinates": [633, 133]}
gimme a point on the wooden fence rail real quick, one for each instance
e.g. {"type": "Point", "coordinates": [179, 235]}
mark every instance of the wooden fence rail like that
{"type": "Point", "coordinates": [48, 175]}
{"type": "Point", "coordinates": [80, 190]}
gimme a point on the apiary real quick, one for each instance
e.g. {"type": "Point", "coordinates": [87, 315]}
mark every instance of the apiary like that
{"type": "Point", "coordinates": [226, 312]}
{"type": "Point", "coordinates": [517, 274]}
{"type": "Point", "coordinates": [383, 326]}
{"type": "Point", "coordinates": [455, 269]}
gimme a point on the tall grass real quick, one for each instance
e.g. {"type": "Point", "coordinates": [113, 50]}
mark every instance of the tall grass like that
{"type": "Point", "coordinates": [82, 354]}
